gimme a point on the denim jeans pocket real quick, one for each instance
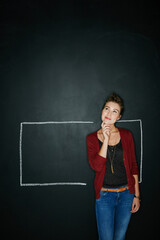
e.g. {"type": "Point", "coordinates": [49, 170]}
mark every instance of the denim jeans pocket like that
{"type": "Point", "coordinates": [103, 193]}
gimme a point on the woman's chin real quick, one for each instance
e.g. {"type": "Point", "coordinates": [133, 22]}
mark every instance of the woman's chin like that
{"type": "Point", "coordinates": [107, 121]}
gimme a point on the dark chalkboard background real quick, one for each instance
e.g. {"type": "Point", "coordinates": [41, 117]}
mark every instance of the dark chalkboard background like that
{"type": "Point", "coordinates": [59, 62]}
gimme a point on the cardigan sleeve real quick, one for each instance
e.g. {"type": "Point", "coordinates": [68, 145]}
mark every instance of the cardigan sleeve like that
{"type": "Point", "coordinates": [134, 169]}
{"type": "Point", "coordinates": [96, 161]}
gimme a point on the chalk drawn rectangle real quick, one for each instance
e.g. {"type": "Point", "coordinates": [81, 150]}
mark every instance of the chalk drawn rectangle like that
{"type": "Point", "coordinates": [70, 122]}
{"type": "Point", "coordinates": [21, 149]}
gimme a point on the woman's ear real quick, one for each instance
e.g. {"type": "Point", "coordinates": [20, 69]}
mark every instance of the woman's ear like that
{"type": "Point", "coordinates": [119, 117]}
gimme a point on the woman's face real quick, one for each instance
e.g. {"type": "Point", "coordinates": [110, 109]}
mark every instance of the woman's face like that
{"type": "Point", "coordinates": [111, 112]}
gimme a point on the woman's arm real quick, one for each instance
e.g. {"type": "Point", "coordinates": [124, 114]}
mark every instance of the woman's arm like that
{"type": "Point", "coordinates": [103, 150]}
{"type": "Point", "coordinates": [96, 161]}
{"type": "Point", "coordinates": [106, 134]}
{"type": "Point", "coordinates": [137, 192]}
{"type": "Point", "coordinates": [136, 199]}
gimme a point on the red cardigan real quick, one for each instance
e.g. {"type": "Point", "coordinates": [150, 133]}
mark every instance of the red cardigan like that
{"type": "Point", "coordinates": [98, 163]}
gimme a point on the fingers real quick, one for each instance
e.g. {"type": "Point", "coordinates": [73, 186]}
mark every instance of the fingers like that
{"type": "Point", "coordinates": [133, 208]}
{"type": "Point", "coordinates": [106, 129]}
{"type": "Point", "coordinates": [135, 205]}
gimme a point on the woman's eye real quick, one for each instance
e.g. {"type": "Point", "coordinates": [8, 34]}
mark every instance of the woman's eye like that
{"type": "Point", "coordinates": [115, 111]}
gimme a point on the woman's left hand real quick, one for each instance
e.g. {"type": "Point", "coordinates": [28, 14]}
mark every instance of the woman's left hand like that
{"type": "Point", "coordinates": [135, 205]}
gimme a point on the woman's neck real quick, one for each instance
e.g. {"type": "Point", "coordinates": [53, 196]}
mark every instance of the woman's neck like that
{"type": "Point", "coordinates": [113, 129]}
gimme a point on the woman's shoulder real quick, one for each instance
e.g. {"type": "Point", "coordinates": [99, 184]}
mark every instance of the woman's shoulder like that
{"type": "Point", "coordinates": [92, 136]}
{"type": "Point", "coordinates": [125, 132]}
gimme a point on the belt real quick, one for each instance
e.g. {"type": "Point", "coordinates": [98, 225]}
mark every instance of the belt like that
{"type": "Point", "coordinates": [115, 189]}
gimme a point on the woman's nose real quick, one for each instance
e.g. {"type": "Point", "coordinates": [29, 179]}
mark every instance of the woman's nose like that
{"type": "Point", "coordinates": [109, 113]}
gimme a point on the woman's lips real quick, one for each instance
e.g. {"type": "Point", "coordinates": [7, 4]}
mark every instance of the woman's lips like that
{"type": "Point", "coordinates": [107, 118]}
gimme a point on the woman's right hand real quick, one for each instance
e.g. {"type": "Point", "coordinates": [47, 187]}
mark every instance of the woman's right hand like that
{"type": "Point", "coordinates": [106, 134]}
{"type": "Point", "coordinates": [106, 129]}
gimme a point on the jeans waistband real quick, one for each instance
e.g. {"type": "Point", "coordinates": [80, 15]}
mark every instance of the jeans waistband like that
{"type": "Point", "coordinates": [120, 189]}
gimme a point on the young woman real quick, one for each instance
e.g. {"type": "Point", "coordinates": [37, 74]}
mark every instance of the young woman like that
{"type": "Point", "coordinates": [111, 155]}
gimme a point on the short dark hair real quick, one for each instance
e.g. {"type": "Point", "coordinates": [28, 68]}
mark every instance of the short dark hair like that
{"type": "Point", "coordinates": [117, 99]}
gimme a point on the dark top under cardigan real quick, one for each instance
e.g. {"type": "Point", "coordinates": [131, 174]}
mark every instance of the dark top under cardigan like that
{"type": "Point", "coordinates": [118, 177]}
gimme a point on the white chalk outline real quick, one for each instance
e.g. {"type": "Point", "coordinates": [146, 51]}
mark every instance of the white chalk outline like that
{"type": "Point", "coordinates": [20, 152]}
{"type": "Point", "coordinates": [71, 122]}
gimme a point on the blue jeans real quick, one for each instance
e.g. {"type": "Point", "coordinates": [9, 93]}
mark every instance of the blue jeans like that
{"type": "Point", "coordinates": [113, 214]}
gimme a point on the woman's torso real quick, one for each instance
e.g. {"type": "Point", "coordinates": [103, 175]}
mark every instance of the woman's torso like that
{"type": "Point", "coordinates": [115, 173]}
